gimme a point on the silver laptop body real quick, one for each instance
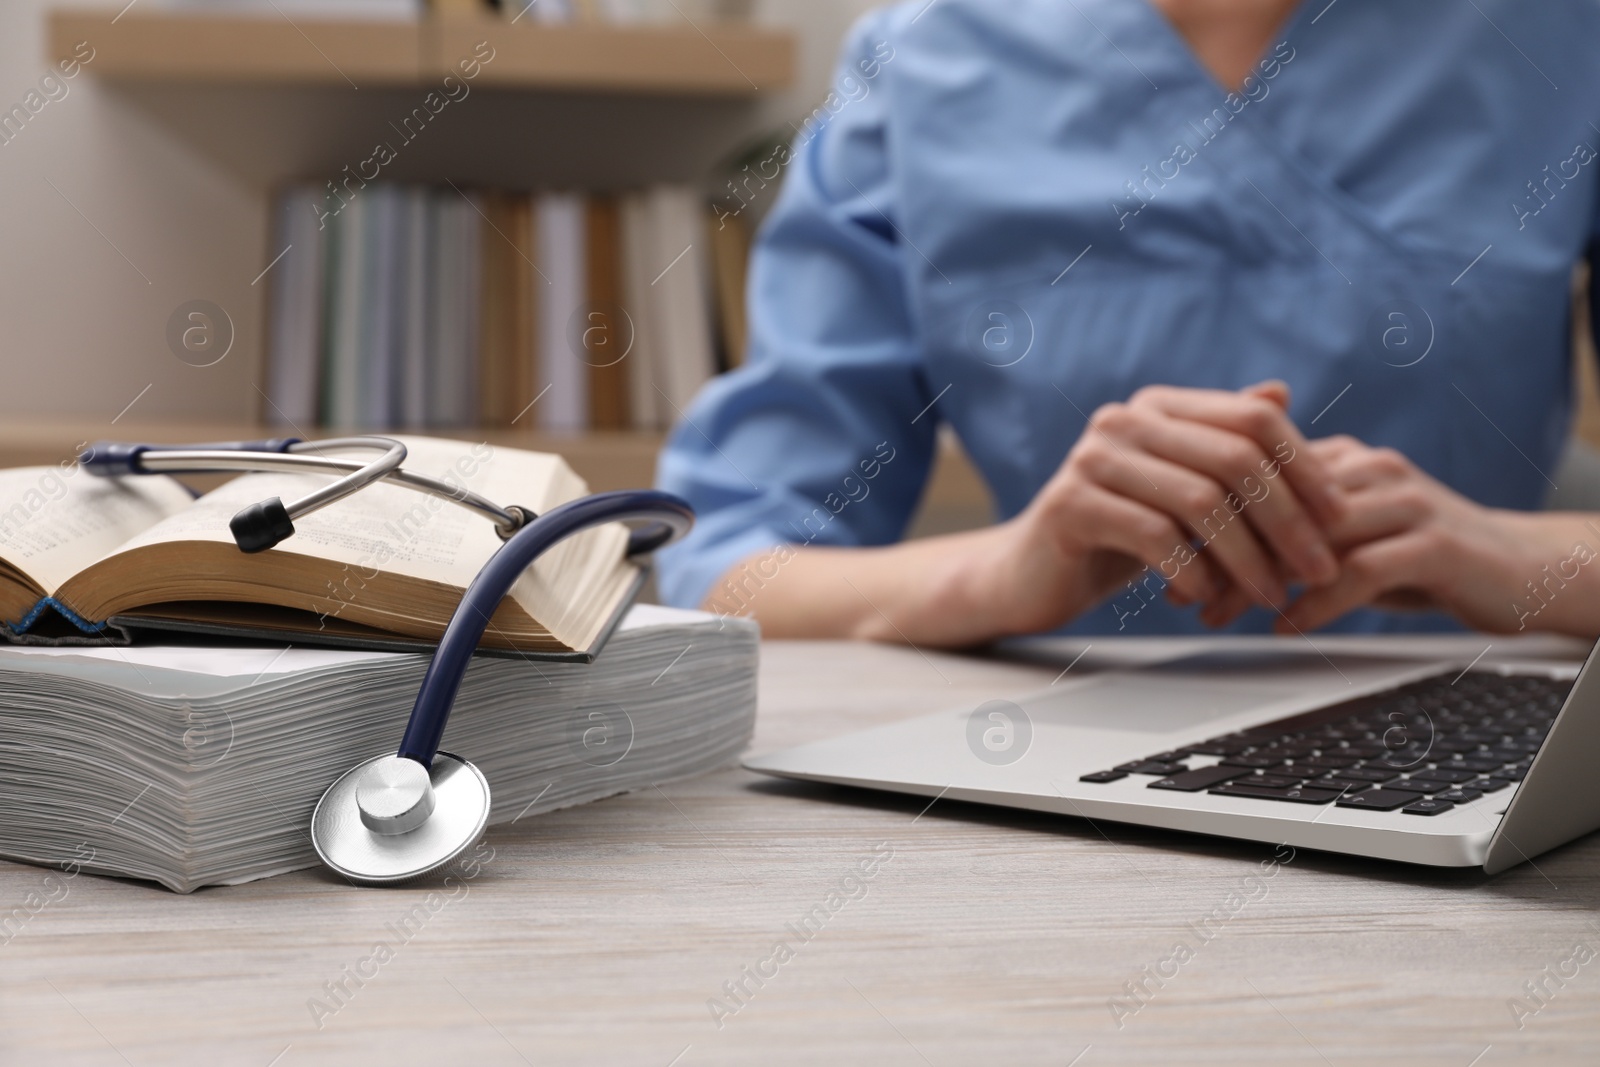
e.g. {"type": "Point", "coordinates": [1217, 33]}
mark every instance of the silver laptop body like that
{"type": "Point", "coordinates": [1032, 752]}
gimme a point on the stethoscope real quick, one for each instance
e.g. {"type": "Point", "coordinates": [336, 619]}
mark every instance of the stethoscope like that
{"type": "Point", "coordinates": [397, 817]}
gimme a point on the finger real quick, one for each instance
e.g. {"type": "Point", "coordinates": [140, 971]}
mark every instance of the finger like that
{"type": "Point", "coordinates": [1331, 449]}
{"type": "Point", "coordinates": [1369, 572]}
{"type": "Point", "coordinates": [1196, 501]}
{"type": "Point", "coordinates": [1264, 422]}
{"type": "Point", "coordinates": [1119, 524]}
{"type": "Point", "coordinates": [1273, 389]}
{"type": "Point", "coordinates": [1361, 467]}
{"type": "Point", "coordinates": [1379, 512]}
{"type": "Point", "coordinates": [1237, 463]}
{"type": "Point", "coordinates": [1227, 608]}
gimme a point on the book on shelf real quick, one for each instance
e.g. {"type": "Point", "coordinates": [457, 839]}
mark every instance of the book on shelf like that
{"type": "Point", "coordinates": [408, 306]}
{"type": "Point", "coordinates": [86, 559]}
{"type": "Point", "coordinates": [376, 9]}
{"type": "Point", "coordinates": [507, 314]}
{"type": "Point", "coordinates": [625, 12]}
{"type": "Point", "coordinates": [680, 297]}
{"type": "Point", "coordinates": [642, 330]}
{"type": "Point", "coordinates": [602, 330]}
{"type": "Point", "coordinates": [729, 237]}
{"type": "Point", "coordinates": [563, 403]}
{"type": "Point", "coordinates": [194, 766]}
{"type": "Point", "coordinates": [548, 12]}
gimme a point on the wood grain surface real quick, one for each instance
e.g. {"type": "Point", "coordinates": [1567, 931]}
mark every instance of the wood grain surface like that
{"type": "Point", "coordinates": [599, 935]}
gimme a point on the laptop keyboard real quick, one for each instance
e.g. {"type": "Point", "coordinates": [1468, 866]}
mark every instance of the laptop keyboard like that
{"type": "Point", "coordinates": [1418, 749]}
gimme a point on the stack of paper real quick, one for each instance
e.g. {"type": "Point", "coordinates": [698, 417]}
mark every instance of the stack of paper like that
{"type": "Point", "coordinates": [198, 766]}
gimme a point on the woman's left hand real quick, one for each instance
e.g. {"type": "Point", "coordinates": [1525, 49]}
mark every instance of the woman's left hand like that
{"type": "Point", "coordinates": [1407, 541]}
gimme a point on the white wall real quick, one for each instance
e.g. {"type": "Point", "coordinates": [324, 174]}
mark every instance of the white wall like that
{"type": "Point", "coordinates": [80, 329]}
{"type": "Point", "coordinates": [176, 182]}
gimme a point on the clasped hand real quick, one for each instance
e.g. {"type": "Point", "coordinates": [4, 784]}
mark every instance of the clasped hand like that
{"type": "Point", "coordinates": [1217, 499]}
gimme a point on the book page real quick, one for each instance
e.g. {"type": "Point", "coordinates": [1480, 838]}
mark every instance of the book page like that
{"type": "Point", "coordinates": [55, 521]}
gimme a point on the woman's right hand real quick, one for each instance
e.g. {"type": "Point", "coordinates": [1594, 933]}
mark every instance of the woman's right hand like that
{"type": "Point", "coordinates": [1147, 480]}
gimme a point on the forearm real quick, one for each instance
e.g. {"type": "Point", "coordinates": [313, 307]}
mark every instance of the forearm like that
{"type": "Point", "coordinates": [924, 592]}
{"type": "Point", "coordinates": [1557, 586]}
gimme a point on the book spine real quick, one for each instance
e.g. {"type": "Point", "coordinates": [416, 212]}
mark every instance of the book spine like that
{"type": "Point", "coordinates": [681, 296]}
{"type": "Point", "coordinates": [729, 241]}
{"type": "Point", "coordinates": [496, 310]}
{"type": "Point", "coordinates": [381, 315]}
{"type": "Point", "coordinates": [455, 285]}
{"type": "Point", "coordinates": [637, 255]}
{"type": "Point", "coordinates": [418, 306]}
{"type": "Point", "coordinates": [565, 405]}
{"type": "Point", "coordinates": [602, 337]}
{"type": "Point", "coordinates": [347, 299]}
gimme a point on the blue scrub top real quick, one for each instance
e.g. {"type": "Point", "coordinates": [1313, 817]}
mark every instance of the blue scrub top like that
{"type": "Point", "coordinates": [1014, 211]}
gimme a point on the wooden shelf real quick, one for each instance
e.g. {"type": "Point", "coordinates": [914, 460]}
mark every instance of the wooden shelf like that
{"type": "Point", "coordinates": [956, 497]}
{"type": "Point", "coordinates": [723, 60]}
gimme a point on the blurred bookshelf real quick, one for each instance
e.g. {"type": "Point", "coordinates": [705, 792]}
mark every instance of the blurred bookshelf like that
{"type": "Point", "coordinates": [622, 230]}
{"type": "Point", "coordinates": [713, 58]}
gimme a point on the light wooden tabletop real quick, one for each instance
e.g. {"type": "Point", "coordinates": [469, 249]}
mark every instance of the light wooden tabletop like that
{"type": "Point", "coordinates": [606, 934]}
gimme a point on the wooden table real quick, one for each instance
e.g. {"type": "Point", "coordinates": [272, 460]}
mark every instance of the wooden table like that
{"type": "Point", "coordinates": [598, 935]}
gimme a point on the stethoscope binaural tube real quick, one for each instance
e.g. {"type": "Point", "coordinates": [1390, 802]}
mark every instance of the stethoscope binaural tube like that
{"type": "Point", "coordinates": [265, 524]}
{"type": "Point", "coordinates": [670, 517]}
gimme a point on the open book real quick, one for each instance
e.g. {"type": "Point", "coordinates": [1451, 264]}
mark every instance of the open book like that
{"type": "Point", "coordinates": [90, 559]}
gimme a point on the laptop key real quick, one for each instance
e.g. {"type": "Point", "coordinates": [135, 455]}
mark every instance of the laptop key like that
{"type": "Point", "coordinates": [1369, 774]}
{"type": "Point", "coordinates": [1300, 770]}
{"type": "Point", "coordinates": [1331, 763]}
{"type": "Point", "coordinates": [1475, 764]}
{"type": "Point", "coordinates": [1379, 800]}
{"type": "Point", "coordinates": [1295, 794]}
{"type": "Point", "coordinates": [1405, 762]}
{"type": "Point", "coordinates": [1253, 761]}
{"type": "Point", "coordinates": [1447, 773]}
{"type": "Point", "coordinates": [1200, 778]}
{"type": "Point", "coordinates": [1103, 776]}
{"type": "Point", "coordinates": [1512, 774]}
{"type": "Point", "coordinates": [1220, 746]}
{"type": "Point", "coordinates": [1341, 785]}
{"type": "Point", "coordinates": [1419, 785]}
{"type": "Point", "coordinates": [1150, 767]}
{"type": "Point", "coordinates": [1288, 749]}
{"type": "Point", "coordinates": [1272, 781]}
{"type": "Point", "coordinates": [1487, 785]}
{"type": "Point", "coordinates": [1428, 807]}
{"type": "Point", "coordinates": [1458, 795]}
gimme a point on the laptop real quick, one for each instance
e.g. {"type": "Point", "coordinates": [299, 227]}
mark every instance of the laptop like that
{"type": "Point", "coordinates": [1426, 761]}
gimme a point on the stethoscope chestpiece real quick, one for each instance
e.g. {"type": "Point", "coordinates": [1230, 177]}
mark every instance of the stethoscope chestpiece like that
{"type": "Point", "coordinates": [390, 820]}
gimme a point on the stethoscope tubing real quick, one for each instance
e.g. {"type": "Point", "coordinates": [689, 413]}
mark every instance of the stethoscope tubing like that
{"type": "Point", "coordinates": [670, 517]}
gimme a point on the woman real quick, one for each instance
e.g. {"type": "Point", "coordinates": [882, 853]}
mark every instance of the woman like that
{"type": "Point", "coordinates": [1136, 254]}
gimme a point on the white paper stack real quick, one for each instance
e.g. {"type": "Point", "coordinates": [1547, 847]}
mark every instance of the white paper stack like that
{"type": "Point", "coordinates": [195, 766]}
